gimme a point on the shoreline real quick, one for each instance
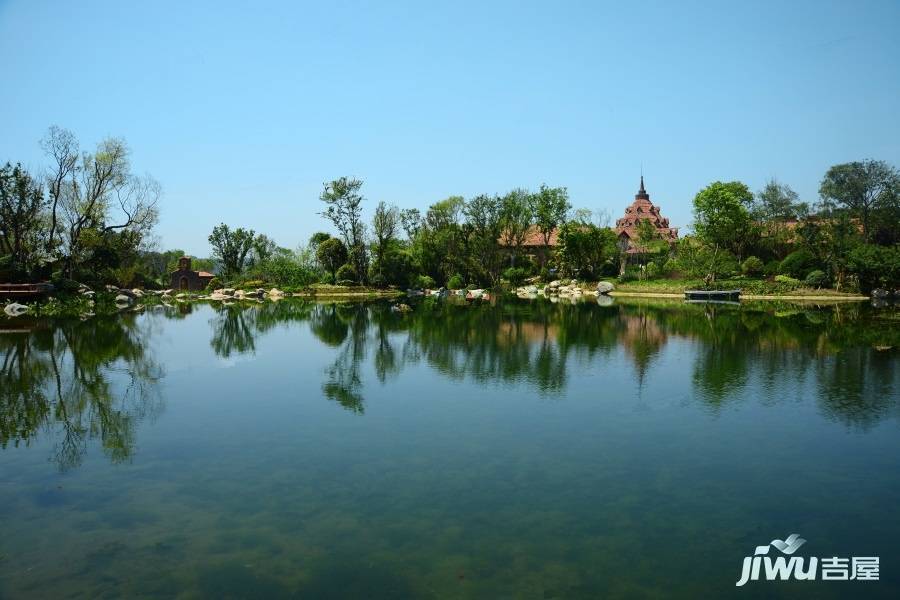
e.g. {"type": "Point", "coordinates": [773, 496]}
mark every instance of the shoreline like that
{"type": "Point", "coordinates": [794, 298]}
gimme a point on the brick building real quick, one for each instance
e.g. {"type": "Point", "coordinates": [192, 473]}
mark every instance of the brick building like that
{"type": "Point", "coordinates": [187, 279]}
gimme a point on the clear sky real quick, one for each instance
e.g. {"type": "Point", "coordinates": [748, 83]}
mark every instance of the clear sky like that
{"type": "Point", "coordinates": [241, 110]}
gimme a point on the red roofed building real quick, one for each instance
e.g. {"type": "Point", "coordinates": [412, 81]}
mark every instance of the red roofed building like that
{"type": "Point", "coordinates": [187, 279]}
{"type": "Point", "coordinates": [642, 210]}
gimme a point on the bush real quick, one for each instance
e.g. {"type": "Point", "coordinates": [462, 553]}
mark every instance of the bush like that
{"type": "Point", "coordinates": [345, 273]}
{"type": "Point", "coordinates": [651, 271]}
{"type": "Point", "coordinates": [797, 264]}
{"type": "Point", "coordinates": [346, 282]}
{"type": "Point", "coordinates": [424, 282]}
{"type": "Point", "coordinates": [456, 282]}
{"type": "Point", "coordinates": [771, 269]}
{"type": "Point", "coordinates": [816, 279]}
{"type": "Point", "coordinates": [789, 281]}
{"type": "Point", "coordinates": [213, 284]}
{"type": "Point", "coordinates": [515, 275]}
{"type": "Point", "coordinates": [670, 267]}
{"type": "Point", "coordinates": [875, 266]}
{"type": "Point", "coordinates": [752, 267]}
{"type": "Point", "coordinates": [545, 274]}
{"type": "Point", "coordinates": [253, 283]}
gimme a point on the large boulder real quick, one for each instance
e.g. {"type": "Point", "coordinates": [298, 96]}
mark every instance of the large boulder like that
{"type": "Point", "coordinates": [881, 294]}
{"type": "Point", "coordinates": [554, 284]}
{"type": "Point", "coordinates": [137, 293]}
{"type": "Point", "coordinates": [15, 309]}
{"type": "Point", "coordinates": [604, 287]}
{"type": "Point", "coordinates": [123, 299]}
{"type": "Point", "coordinates": [474, 294]}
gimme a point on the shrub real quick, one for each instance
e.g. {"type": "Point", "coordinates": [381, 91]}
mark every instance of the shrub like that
{"type": "Point", "coordinates": [253, 283]}
{"type": "Point", "coordinates": [797, 264]}
{"type": "Point", "coordinates": [515, 275]}
{"type": "Point", "coordinates": [651, 271]}
{"type": "Point", "coordinates": [771, 269]}
{"type": "Point", "coordinates": [545, 274]}
{"type": "Point", "coordinates": [345, 273]}
{"type": "Point", "coordinates": [875, 266]}
{"type": "Point", "coordinates": [816, 279]}
{"type": "Point", "coordinates": [456, 282]}
{"type": "Point", "coordinates": [752, 267]}
{"type": "Point", "coordinates": [790, 281]}
{"type": "Point", "coordinates": [346, 282]}
{"type": "Point", "coordinates": [670, 267]}
{"type": "Point", "coordinates": [424, 282]}
{"type": "Point", "coordinates": [213, 284]}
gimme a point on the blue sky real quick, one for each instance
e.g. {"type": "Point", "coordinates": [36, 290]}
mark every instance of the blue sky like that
{"type": "Point", "coordinates": [242, 110]}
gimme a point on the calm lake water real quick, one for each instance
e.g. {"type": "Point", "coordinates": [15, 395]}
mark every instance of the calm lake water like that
{"type": "Point", "coordinates": [522, 450]}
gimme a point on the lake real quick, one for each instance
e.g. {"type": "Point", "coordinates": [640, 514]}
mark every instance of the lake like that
{"type": "Point", "coordinates": [525, 449]}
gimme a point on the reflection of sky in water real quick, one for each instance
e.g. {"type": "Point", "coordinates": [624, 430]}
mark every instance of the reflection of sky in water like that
{"type": "Point", "coordinates": [514, 453]}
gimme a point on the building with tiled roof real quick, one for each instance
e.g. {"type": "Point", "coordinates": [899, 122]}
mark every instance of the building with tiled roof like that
{"type": "Point", "coordinates": [643, 210]}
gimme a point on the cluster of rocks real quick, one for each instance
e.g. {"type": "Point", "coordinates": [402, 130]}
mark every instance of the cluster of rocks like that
{"type": "Point", "coordinates": [442, 292]}
{"type": "Point", "coordinates": [563, 288]}
{"type": "Point", "coordinates": [229, 294]}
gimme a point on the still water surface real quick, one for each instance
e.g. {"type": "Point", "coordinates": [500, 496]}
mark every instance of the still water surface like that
{"type": "Point", "coordinates": [521, 450]}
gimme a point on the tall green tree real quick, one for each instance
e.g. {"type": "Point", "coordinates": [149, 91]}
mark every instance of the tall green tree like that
{"type": "Point", "coordinates": [483, 226]}
{"type": "Point", "coordinates": [866, 190]}
{"type": "Point", "coordinates": [722, 216]}
{"type": "Point", "coordinates": [94, 198]}
{"type": "Point", "coordinates": [231, 247]}
{"type": "Point", "coordinates": [331, 254]}
{"type": "Point", "coordinates": [22, 220]}
{"type": "Point", "coordinates": [344, 209]}
{"type": "Point", "coordinates": [516, 217]}
{"type": "Point", "coordinates": [385, 228]}
{"type": "Point", "coordinates": [550, 206]}
{"type": "Point", "coordinates": [773, 208]}
{"type": "Point", "coordinates": [586, 250]}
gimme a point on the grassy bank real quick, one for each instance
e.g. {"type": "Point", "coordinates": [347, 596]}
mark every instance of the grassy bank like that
{"type": "Point", "coordinates": [762, 289]}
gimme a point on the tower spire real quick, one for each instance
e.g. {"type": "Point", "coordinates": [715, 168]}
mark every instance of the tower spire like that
{"type": "Point", "coordinates": [642, 193]}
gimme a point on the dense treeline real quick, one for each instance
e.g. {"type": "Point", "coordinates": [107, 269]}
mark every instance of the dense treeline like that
{"type": "Point", "coordinates": [848, 240]}
{"type": "Point", "coordinates": [89, 218]}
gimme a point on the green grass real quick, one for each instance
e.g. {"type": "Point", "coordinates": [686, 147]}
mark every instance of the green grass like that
{"type": "Point", "coordinates": [746, 285]}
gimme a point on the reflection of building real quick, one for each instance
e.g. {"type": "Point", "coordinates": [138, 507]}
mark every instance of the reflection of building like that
{"type": "Point", "coordinates": [186, 279]}
{"type": "Point", "coordinates": [642, 210]}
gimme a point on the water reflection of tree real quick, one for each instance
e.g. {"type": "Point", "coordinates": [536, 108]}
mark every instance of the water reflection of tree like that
{"type": "Point", "coordinates": [80, 381]}
{"type": "Point", "coordinates": [537, 342]}
{"type": "Point", "coordinates": [236, 326]}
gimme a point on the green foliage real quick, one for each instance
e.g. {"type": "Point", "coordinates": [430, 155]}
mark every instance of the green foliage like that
{"type": "Point", "coordinates": [586, 251]}
{"type": "Point", "coordinates": [670, 266]}
{"type": "Point", "coordinates": [22, 222]}
{"type": "Point", "coordinates": [344, 209]}
{"type": "Point", "coordinates": [214, 284]}
{"type": "Point", "coordinates": [231, 247]}
{"type": "Point", "coordinates": [772, 268]}
{"type": "Point", "coordinates": [696, 259]}
{"type": "Point", "coordinates": [876, 266]}
{"type": "Point", "coordinates": [331, 254]}
{"type": "Point", "coordinates": [787, 280]}
{"type": "Point", "coordinates": [515, 275]}
{"type": "Point", "coordinates": [752, 267]}
{"type": "Point", "coordinates": [868, 190]}
{"type": "Point", "coordinates": [516, 218]}
{"type": "Point", "coordinates": [456, 282]}
{"type": "Point", "coordinates": [549, 206]}
{"type": "Point", "coordinates": [816, 279]}
{"type": "Point", "coordinates": [722, 216]}
{"type": "Point", "coordinates": [346, 272]}
{"type": "Point", "coordinates": [798, 263]}
{"type": "Point", "coordinates": [424, 282]}
{"type": "Point", "coordinates": [651, 270]}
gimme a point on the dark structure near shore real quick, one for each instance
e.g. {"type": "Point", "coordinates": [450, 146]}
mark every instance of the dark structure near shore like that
{"type": "Point", "coordinates": [187, 279]}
